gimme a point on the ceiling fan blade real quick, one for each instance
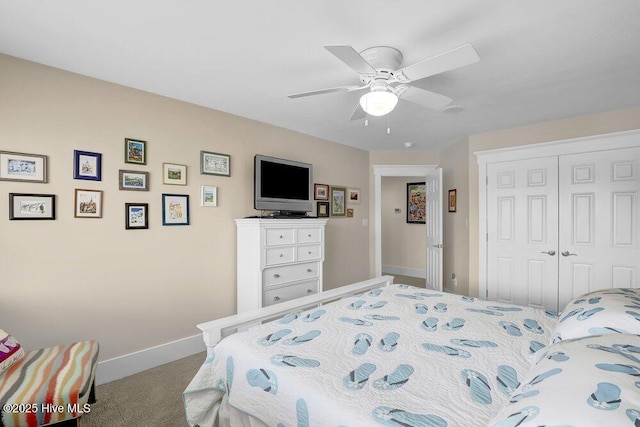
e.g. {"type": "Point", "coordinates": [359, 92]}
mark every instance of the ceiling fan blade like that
{"type": "Point", "coordinates": [329, 90]}
{"type": "Point", "coordinates": [358, 113]}
{"type": "Point", "coordinates": [425, 98]}
{"type": "Point", "coordinates": [352, 58]}
{"type": "Point", "coordinates": [456, 58]}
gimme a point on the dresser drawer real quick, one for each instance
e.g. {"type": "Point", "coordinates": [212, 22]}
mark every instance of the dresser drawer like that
{"type": "Point", "coordinates": [285, 293]}
{"type": "Point", "coordinates": [309, 235]}
{"type": "Point", "coordinates": [279, 236]}
{"type": "Point", "coordinates": [306, 253]}
{"type": "Point", "coordinates": [290, 273]}
{"type": "Point", "coordinates": [275, 256]}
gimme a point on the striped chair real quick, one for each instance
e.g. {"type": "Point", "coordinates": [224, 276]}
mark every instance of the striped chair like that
{"type": "Point", "coordinates": [53, 385]}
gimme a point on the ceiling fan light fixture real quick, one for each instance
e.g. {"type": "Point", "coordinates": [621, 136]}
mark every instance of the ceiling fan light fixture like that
{"type": "Point", "coordinates": [378, 102]}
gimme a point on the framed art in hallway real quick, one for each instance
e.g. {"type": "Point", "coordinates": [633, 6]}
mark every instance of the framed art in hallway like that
{"type": "Point", "coordinates": [175, 209]}
{"type": "Point", "coordinates": [135, 151]}
{"type": "Point", "coordinates": [133, 180]}
{"type": "Point", "coordinates": [209, 196]}
{"type": "Point", "coordinates": [453, 200]}
{"type": "Point", "coordinates": [322, 209]}
{"type": "Point", "coordinates": [87, 203]}
{"type": "Point", "coordinates": [87, 165]}
{"type": "Point", "coordinates": [23, 167]}
{"type": "Point", "coordinates": [136, 216]}
{"type": "Point", "coordinates": [32, 206]}
{"type": "Point", "coordinates": [320, 191]}
{"type": "Point", "coordinates": [174, 174]}
{"type": "Point", "coordinates": [416, 203]}
{"type": "Point", "coordinates": [353, 196]}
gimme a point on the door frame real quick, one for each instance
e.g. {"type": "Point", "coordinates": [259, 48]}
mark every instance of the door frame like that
{"type": "Point", "coordinates": [603, 142]}
{"type": "Point", "coordinates": [391, 170]}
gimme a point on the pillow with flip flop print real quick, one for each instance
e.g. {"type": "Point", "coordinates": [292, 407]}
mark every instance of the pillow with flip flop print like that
{"type": "Point", "coordinates": [607, 311]}
{"type": "Point", "coordinates": [593, 381]}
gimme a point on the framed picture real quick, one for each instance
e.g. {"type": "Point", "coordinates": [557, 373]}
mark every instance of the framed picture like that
{"type": "Point", "coordinates": [175, 209]}
{"type": "Point", "coordinates": [23, 167]}
{"type": "Point", "coordinates": [87, 203]}
{"type": "Point", "coordinates": [353, 196]}
{"type": "Point", "coordinates": [215, 163]}
{"type": "Point", "coordinates": [135, 151]}
{"type": "Point", "coordinates": [349, 212]}
{"type": "Point", "coordinates": [133, 180]}
{"type": "Point", "coordinates": [32, 206]}
{"type": "Point", "coordinates": [87, 165]}
{"type": "Point", "coordinates": [320, 191]}
{"type": "Point", "coordinates": [209, 196]}
{"type": "Point", "coordinates": [453, 200]}
{"type": "Point", "coordinates": [322, 209]}
{"type": "Point", "coordinates": [416, 203]}
{"type": "Point", "coordinates": [338, 200]}
{"type": "Point", "coordinates": [174, 174]}
{"type": "Point", "coordinates": [136, 216]}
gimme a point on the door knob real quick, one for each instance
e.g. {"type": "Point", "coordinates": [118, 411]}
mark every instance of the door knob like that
{"type": "Point", "coordinates": [567, 253]}
{"type": "Point", "coordinates": [549, 252]}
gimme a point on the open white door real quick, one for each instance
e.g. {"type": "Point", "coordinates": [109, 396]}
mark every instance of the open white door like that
{"type": "Point", "coordinates": [434, 229]}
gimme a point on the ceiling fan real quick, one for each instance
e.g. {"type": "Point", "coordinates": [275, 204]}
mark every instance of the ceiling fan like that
{"type": "Point", "coordinates": [379, 71]}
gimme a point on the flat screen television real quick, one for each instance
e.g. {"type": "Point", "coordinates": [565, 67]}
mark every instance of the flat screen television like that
{"type": "Point", "coordinates": [282, 185]}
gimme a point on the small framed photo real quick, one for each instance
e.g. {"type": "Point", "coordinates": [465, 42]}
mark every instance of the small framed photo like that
{"type": "Point", "coordinates": [349, 212]}
{"type": "Point", "coordinates": [136, 216]}
{"type": "Point", "coordinates": [88, 203]}
{"type": "Point", "coordinates": [416, 203]}
{"type": "Point", "coordinates": [175, 209]}
{"type": "Point", "coordinates": [353, 196]}
{"type": "Point", "coordinates": [174, 174]}
{"type": "Point", "coordinates": [338, 201]}
{"type": "Point", "coordinates": [453, 200]}
{"type": "Point", "coordinates": [322, 209]}
{"type": "Point", "coordinates": [320, 191]}
{"type": "Point", "coordinates": [133, 180]}
{"type": "Point", "coordinates": [22, 167]}
{"type": "Point", "coordinates": [215, 163]}
{"type": "Point", "coordinates": [87, 165]}
{"type": "Point", "coordinates": [135, 151]}
{"type": "Point", "coordinates": [32, 206]}
{"type": "Point", "coordinates": [208, 196]}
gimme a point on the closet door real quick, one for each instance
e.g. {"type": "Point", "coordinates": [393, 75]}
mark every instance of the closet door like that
{"type": "Point", "coordinates": [599, 206]}
{"type": "Point", "coordinates": [522, 231]}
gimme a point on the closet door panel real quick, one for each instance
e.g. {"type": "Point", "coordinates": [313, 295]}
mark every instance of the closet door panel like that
{"type": "Point", "coordinates": [522, 240]}
{"type": "Point", "coordinates": [598, 210]}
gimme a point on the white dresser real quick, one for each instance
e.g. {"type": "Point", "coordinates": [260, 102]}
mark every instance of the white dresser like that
{"type": "Point", "coordinates": [278, 260]}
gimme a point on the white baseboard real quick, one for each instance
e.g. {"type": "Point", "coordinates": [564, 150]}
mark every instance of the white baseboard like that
{"type": "Point", "coordinates": [132, 363]}
{"type": "Point", "coordinates": [404, 271]}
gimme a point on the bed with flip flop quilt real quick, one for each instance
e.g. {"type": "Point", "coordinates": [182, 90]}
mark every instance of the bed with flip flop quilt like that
{"type": "Point", "coordinates": [407, 356]}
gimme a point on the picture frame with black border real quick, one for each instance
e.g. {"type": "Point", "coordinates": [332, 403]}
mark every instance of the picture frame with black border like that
{"type": "Point", "coordinates": [87, 165]}
{"type": "Point", "coordinates": [26, 206]}
{"type": "Point", "coordinates": [136, 216]}
{"type": "Point", "coordinates": [175, 209]}
{"type": "Point", "coordinates": [135, 151]}
{"type": "Point", "coordinates": [322, 209]}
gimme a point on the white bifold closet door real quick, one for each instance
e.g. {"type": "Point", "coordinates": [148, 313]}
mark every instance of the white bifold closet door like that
{"type": "Point", "coordinates": [561, 226]}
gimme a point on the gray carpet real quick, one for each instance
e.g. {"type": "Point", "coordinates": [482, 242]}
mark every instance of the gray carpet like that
{"type": "Point", "coordinates": [149, 398]}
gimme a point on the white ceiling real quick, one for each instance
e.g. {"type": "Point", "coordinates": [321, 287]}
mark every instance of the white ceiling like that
{"type": "Point", "coordinates": [539, 60]}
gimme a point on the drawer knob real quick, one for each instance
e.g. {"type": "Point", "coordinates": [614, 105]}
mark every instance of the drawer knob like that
{"type": "Point", "coordinates": [276, 298]}
{"type": "Point", "coordinates": [309, 252]}
{"type": "Point", "coordinates": [276, 275]}
{"type": "Point", "coordinates": [309, 291]}
{"type": "Point", "coordinates": [309, 235]}
{"type": "Point", "coordinates": [309, 270]}
{"type": "Point", "coordinates": [281, 236]}
{"type": "Point", "coordinates": [281, 255]}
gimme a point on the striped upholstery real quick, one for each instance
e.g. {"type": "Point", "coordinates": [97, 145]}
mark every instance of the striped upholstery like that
{"type": "Point", "coordinates": [51, 384]}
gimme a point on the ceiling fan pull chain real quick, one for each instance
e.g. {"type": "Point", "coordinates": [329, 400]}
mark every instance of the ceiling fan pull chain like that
{"type": "Point", "coordinates": [388, 125]}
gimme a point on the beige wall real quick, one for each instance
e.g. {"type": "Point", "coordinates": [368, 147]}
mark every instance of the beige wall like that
{"type": "Point", "coordinates": [612, 121]}
{"type": "Point", "coordinates": [455, 175]}
{"type": "Point", "coordinates": [404, 245]}
{"type": "Point", "coordinates": [72, 279]}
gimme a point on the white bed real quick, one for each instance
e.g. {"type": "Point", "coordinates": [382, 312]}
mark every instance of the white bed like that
{"type": "Point", "coordinates": [396, 356]}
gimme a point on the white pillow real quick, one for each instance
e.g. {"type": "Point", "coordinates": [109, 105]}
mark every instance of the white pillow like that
{"type": "Point", "coordinates": [584, 382]}
{"type": "Point", "coordinates": [601, 312]}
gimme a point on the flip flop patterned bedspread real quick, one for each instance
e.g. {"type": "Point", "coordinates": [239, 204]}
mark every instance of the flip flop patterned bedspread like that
{"type": "Point", "coordinates": [395, 356]}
